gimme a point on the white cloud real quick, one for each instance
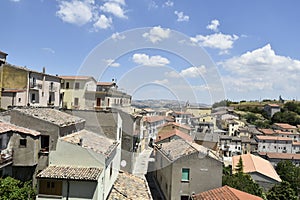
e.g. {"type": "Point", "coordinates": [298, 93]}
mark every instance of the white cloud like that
{"type": "Point", "coordinates": [114, 8]}
{"type": "Point", "coordinates": [75, 11]}
{"type": "Point", "coordinates": [168, 4]}
{"type": "Point", "coordinates": [217, 41]}
{"type": "Point", "coordinates": [144, 59]}
{"type": "Point", "coordinates": [111, 63]}
{"type": "Point", "coordinates": [261, 70]}
{"type": "Point", "coordinates": [157, 34]}
{"type": "Point", "coordinates": [214, 24]}
{"type": "Point", "coordinates": [15, 0]}
{"type": "Point", "coordinates": [181, 17]}
{"type": "Point", "coordinates": [47, 49]}
{"type": "Point", "coordinates": [152, 5]}
{"type": "Point", "coordinates": [121, 2]}
{"type": "Point", "coordinates": [118, 36]}
{"type": "Point", "coordinates": [161, 82]}
{"type": "Point", "coordinates": [103, 22]}
{"type": "Point", "coordinates": [191, 72]}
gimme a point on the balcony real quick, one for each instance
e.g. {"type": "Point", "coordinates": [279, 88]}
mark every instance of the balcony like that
{"type": "Point", "coordinates": [6, 158]}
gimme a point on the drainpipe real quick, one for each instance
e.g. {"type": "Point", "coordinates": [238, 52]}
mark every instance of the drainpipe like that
{"type": "Point", "coordinates": [68, 189]}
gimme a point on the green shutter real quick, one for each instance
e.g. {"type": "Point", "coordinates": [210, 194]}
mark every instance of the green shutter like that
{"type": "Point", "coordinates": [185, 176]}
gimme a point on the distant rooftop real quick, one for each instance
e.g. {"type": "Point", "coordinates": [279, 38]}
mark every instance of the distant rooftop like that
{"type": "Point", "coordinates": [5, 127]}
{"type": "Point", "coordinates": [285, 126]}
{"type": "Point", "coordinates": [282, 156]}
{"type": "Point", "coordinates": [164, 134]}
{"type": "Point", "coordinates": [106, 83]}
{"type": "Point", "coordinates": [128, 186]}
{"type": "Point", "coordinates": [152, 119]}
{"type": "Point", "coordinates": [51, 115]}
{"type": "Point", "coordinates": [91, 141]}
{"type": "Point", "coordinates": [223, 193]}
{"type": "Point", "coordinates": [76, 77]}
{"type": "Point", "coordinates": [257, 164]}
{"type": "Point", "coordinates": [71, 173]}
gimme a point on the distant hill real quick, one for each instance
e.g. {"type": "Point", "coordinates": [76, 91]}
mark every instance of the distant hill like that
{"type": "Point", "coordinates": [162, 103]}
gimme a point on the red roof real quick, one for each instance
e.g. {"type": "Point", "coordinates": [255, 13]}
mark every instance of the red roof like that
{"type": "Point", "coordinates": [267, 131]}
{"type": "Point", "coordinates": [225, 193]}
{"type": "Point", "coordinates": [174, 132]}
{"type": "Point", "coordinates": [273, 105]}
{"type": "Point", "coordinates": [264, 137]}
{"type": "Point", "coordinates": [105, 83]}
{"type": "Point", "coordinates": [282, 156]}
{"type": "Point", "coordinates": [151, 119]}
{"type": "Point", "coordinates": [76, 77]}
{"type": "Point", "coordinates": [175, 124]}
{"type": "Point", "coordinates": [285, 126]}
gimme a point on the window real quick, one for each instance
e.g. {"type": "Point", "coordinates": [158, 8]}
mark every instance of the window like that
{"type": "Point", "coordinates": [20, 100]}
{"type": "Point", "coordinates": [185, 175]}
{"type": "Point", "coordinates": [51, 86]}
{"type": "Point", "coordinates": [45, 143]}
{"type": "Point", "coordinates": [50, 187]}
{"type": "Point", "coordinates": [111, 169]}
{"type": "Point", "coordinates": [67, 85]}
{"type": "Point", "coordinates": [184, 197]}
{"type": "Point", "coordinates": [76, 101]}
{"type": "Point", "coordinates": [23, 142]}
{"type": "Point", "coordinates": [77, 85]}
{"type": "Point", "coordinates": [33, 98]}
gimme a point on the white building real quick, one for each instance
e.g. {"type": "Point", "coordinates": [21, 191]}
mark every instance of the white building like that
{"type": "Point", "coordinates": [85, 165]}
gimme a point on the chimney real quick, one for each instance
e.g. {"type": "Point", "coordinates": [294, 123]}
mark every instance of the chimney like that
{"type": "Point", "coordinates": [44, 70]}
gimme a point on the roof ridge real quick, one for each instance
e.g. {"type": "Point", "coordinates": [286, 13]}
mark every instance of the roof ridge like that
{"type": "Point", "coordinates": [229, 189]}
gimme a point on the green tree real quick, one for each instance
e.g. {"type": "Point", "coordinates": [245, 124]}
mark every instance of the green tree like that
{"type": "Point", "coordinates": [290, 173]}
{"type": "Point", "coordinates": [286, 117]}
{"type": "Point", "coordinates": [12, 189]}
{"type": "Point", "coordinates": [242, 182]}
{"type": "Point", "coordinates": [240, 166]}
{"type": "Point", "coordinates": [282, 191]}
{"type": "Point", "coordinates": [251, 118]}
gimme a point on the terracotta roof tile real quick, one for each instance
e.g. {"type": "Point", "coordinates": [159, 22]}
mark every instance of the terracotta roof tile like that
{"type": "Point", "coordinates": [76, 77]}
{"type": "Point", "coordinates": [225, 193]}
{"type": "Point", "coordinates": [264, 137]}
{"type": "Point", "coordinates": [5, 127]}
{"type": "Point", "coordinates": [257, 164]}
{"type": "Point", "coordinates": [175, 124]}
{"type": "Point", "coordinates": [152, 119]}
{"type": "Point", "coordinates": [128, 186]}
{"type": "Point", "coordinates": [267, 131]}
{"type": "Point", "coordinates": [164, 134]}
{"type": "Point", "coordinates": [283, 156]}
{"type": "Point", "coordinates": [285, 126]}
{"type": "Point", "coordinates": [106, 83]}
{"type": "Point", "coordinates": [71, 173]}
{"type": "Point", "coordinates": [273, 105]}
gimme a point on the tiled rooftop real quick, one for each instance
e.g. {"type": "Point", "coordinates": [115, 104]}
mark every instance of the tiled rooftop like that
{"type": "Point", "coordinates": [76, 77]}
{"type": "Point", "coordinates": [283, 156]}
{"type": "Point", "coordinates": [164, 134]}
{"type": "Point", "coordinates": [128, 186]}
{"type": "Point", "coordinates": [285, 126]}
{"type": "Point", "coordinates": [225, 193]}
{"type": "Point", "coordinates": [267, 131]}
{"type": "Point", "coordinates": [257, 164]}
{"type": "Point", "coordinates": [51, 115]}
{"type": "Point", "coordinates": [264, 137]}
{"type": "Point", "coordinates": [175, 124]}
{"type": "Point", "coordinates": [176, 149]}
{"type": "Point", "coordinates": [5, 127]}
{"type": "Point", "coordinates": [93, 141]}
{"type": "Point", "coordinates": [71, 173]}
{"type": "Point", "coordinates": [152, 119]}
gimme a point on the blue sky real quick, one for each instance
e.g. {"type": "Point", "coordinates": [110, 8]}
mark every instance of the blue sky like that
{"type": "Point", "coordinates": [195, 50]}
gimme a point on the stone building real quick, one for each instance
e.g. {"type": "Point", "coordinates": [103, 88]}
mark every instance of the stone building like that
{"type": "Point", "coordinates": [183, 168]}
{"type": "Point", "coordinates": [19, 148]}
{"type": "Point", "coordinates": [21, 86]}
